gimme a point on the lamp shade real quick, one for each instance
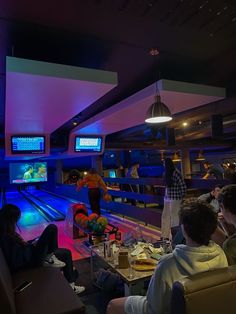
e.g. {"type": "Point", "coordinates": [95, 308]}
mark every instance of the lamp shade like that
{"type": "Point", "coordinates": [200, 156]}
{"type": "Point", "coordinates": [158, 112]}
{"type": "Point", "coordinates": [176, 157]}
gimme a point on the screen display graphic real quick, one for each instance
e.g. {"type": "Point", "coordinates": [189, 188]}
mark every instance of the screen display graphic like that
{"type": "Point", "coordinates": [28, 144]}
{"type": "Point", "coordinates": [88, 144]}
{"type": "Point", "coordinates": [28, 172]}
{"type": "Point", "coordinates": [112, 174]}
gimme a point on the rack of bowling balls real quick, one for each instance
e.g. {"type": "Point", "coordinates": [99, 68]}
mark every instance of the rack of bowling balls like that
{"type": "Point", "coordinates": [97, 227]}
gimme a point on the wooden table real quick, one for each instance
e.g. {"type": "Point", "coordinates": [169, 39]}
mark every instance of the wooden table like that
{"type": "Point", "coordinates": [132, 286]}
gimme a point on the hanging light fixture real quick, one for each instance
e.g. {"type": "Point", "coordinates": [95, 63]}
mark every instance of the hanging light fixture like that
{"type": "Point", "coordinates": [176, 157]}
{"type": "Point", "coordinates": [200, 156]}
{"type": "Point", "coordinates": [158, 112]}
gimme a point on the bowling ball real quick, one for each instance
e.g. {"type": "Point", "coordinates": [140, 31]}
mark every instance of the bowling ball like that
{"type": "Point", "coordinates": [84, 221]}
{"type": "Point", "coordinates": [98, 229]}
{"type": "Point", "coordinates": [95, 227]}
{"type": "Point", "coordinates": [79, 208]}
{"type": "Point", "coordinates": [90, 224]}
{"type": "Point", "coordinates": [93, 217]}
{"type": "Point", "coordinates": [102, 221]}
{"type": "Point", "coordinates": [107, 197]}
{"type": "Point", "coordinates": [79, 217]}
{"type": "Point", "coordinates": [87, 224]}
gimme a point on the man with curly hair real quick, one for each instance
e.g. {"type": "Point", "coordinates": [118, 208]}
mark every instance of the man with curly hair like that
{"type": "Point", "coordinates": [198, 222]}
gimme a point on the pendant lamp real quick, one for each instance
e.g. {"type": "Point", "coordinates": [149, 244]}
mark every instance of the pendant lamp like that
{"type": "Point", "coordinates": [200, 156]}
{"type": "Point", "coordinates": [158, 112]}
{"type": "Point", "coordinates": [176, 157]}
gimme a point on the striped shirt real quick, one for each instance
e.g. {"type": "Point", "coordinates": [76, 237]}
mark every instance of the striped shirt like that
{"type": "Point", "coordinates": [178, 188]}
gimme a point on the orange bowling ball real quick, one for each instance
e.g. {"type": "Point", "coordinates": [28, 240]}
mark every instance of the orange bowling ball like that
{"type": "Point", "coordinates": [107, 197]}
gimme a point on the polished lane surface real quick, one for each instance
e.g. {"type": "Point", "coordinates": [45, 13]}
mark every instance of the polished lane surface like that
{"type": "Point", "coordinates": [29, 214]}
{"type": "Point", "coordinates": [58, 203]}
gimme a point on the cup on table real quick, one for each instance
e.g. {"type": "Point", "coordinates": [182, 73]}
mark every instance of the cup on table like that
{"type": "Point", "coordinates": [123, 259]}
{"type": "Point", "coordinates": [166, 246]}
{"type": "Point", "coordinates": [130, 269]}
{"type": "Point", "coordinates": [101, 247]}
{"type": "Point", "coordinates": [115, 259]}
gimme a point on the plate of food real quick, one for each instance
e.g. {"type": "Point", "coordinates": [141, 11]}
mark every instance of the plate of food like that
{"type": "Point", "coordinates": [144, 264]}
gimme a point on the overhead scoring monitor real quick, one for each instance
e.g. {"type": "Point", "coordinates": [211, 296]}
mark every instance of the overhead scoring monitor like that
{"type": "Point", "coordinates": [88, 144]}
{"type": "Point", "coordinates": [28, 144]}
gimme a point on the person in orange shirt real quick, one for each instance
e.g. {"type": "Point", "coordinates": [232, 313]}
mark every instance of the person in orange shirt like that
{"type": "Point", "coordinates": [94, 183]}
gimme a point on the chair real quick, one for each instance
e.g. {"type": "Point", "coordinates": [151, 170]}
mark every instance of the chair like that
{"type": "Point", "coordinates": [48, 294]}
{"type": "Point", "coordinates": [205, 293]}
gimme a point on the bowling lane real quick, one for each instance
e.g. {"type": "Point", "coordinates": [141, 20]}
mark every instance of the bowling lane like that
{"type": "Point", "coordinates": [60, 204]}
{"type": "Point", "coordinates": [29, 215]}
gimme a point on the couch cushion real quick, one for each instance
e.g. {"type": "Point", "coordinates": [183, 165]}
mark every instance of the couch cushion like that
{"type": "Point", "coordinates": [49, 293]}
{"type": "Point", "coordinates": [7, 299]}
{"type": "Point", "coordinates": [207, 292]}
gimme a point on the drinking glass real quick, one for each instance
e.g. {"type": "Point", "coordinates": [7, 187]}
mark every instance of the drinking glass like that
{"type": "Point", "coordinates": [130, 269]}
{"type": "Point", "coordinates": [101, 248]}
{"type": "Point", "coordinates": [115, 259]}
{"type": "Point", "coordinates": [166, 246]}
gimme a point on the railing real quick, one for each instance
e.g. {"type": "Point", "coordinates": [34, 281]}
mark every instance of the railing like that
{"type": "Point", "coordinates": [205, 185]}
{"type": "Point", "coordinates": [151, 192]}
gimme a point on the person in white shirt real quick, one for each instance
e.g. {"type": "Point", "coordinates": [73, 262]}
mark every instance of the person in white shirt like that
{"type": "Point", "coordinates": [198, 222]}
{"type": "Point", "coordinates": [174, 193]}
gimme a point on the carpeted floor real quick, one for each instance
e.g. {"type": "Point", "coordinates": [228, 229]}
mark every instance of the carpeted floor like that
{"type": "Point", "coordinates": [94, 298]}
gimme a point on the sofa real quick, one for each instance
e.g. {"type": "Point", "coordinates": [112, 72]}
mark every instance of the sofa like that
{"type": "Point", "coordinates": [208, 292]}
{"type": "Point", "coordinates": [49, 292]}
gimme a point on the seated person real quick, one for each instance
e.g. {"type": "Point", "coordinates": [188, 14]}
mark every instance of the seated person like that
{"type": "Point", "coordinates": [198, 221]}
{"type": "Point", "coordinates": [225, 229]}
{"type": "Point", "coordinates": [228, 207]}
{"type": "Point", "coordinates": [20, 254]}
{"type": "Point", "coordinates": [212, 171]}
{"type": "Point", "coordinates": [212, 198]}
{"type": "Point", "coordinates": [230, 172]}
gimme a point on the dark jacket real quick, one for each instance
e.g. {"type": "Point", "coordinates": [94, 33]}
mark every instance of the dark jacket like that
{"type": "Point", "coordinates": [18, 255]}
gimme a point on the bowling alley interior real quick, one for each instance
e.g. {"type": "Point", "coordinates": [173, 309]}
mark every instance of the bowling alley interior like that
{"type": "Point", "coordinates": [117, 153]}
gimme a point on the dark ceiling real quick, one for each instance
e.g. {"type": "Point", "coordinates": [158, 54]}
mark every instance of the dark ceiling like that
{"type": "Point", "coordinates": [196, 41]}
